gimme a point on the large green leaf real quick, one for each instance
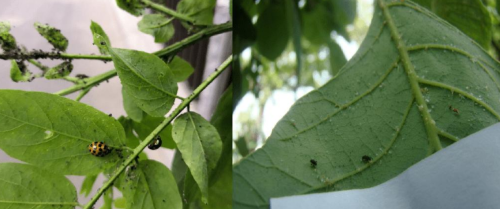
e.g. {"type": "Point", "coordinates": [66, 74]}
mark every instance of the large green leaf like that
{"type": "Point", "coordinates": [101, 40]}
{"type": "Point", "coordinates": [415, 85]}
{"type": "Point", "coordinates": [272, 31]}
{"type": "Point", "coordinates": [471, 17]}
{"type": "Point", "coordinates": [202, 11]}
{"type": "Point", "coordinates": [53, 35]}
{"type": "Point", "coordinates": [158, 26]}
{"type": "Point", "coordinates": [53, 132]}
{"type": "Point", "coordinates": [200, 146]}
{"type": "Point", "coordinates": [150, 186]}
{"type": "Point", "coordinates": [27, 186]}
{"type": "Point", "coordinates": [147, 79]}
{"type": "Point", "coordinates": [220, 178]}
{"type": "Point", "coordinates": [133, 111]}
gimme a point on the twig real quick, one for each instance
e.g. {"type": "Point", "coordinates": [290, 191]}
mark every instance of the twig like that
{"type": "Point", "coordinates": [39, 54]}
{"type": "Point", "coordinates": [157, 130]}
{"type": "Point", "coordinates": [167, 51]}
{"type": "Point", "coordinates": [82, 94]}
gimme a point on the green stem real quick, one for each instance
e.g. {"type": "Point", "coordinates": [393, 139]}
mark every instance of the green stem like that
{"type": "Point", "coordinates": [168, 11]}
{"type": "Point", "coordinates": [38, 64]}
{"type": "Point", "coordinates": [86, 56]}
{"type": "Point", "coordinates": [51, 55]}
{"type": "Point", "coordinates": [88, 83]}
{"type": "Point", "coordinates": [157, 130]}
{"type": "Point", "coordinates": [82, 94]}
{"type": "Point", "coordinates": [170, 50]}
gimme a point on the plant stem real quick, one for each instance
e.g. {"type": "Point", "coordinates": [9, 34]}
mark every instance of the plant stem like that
{"type": "Point", "coordinates": [82, 94]}
{"type": "Point", "coordinates": [170, 50]}
{"type": "Point", "coordinates": [37, 54]}
{"type": "Point", "coordinates": [168, 11]}
{"type": "Point", "coordinates": [207, 32]}
{"type": "Point", "coordinates": [158, 129]}
{"type": "Point", "coordinates": [38, 64]}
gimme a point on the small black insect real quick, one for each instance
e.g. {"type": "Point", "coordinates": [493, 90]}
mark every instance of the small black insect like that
{"type": "Point", "coordinates": [155, 144]}
{"type": "Point", "coordinates": [110, 115]}
{"type": "Point", "coordinates": [103, 43]}
{"type": "Point", "coordinates": [366, 159]}
{"type": "Point", "coordinates": [314, 163]}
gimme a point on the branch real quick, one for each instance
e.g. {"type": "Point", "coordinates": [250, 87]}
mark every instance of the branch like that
{"type": "Point", "coordinates": [161, 8]}
{"type": "Point", "coordinates": [39, 54]}
{"type": "Point", "coordinates": [158, 129]}
{"type": "Point", "coordinates": [167, 51]}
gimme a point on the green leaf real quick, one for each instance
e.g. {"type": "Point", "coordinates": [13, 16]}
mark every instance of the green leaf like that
{"type": "Point", "coordinates": [150, 186]}
{"type": "Point", "coordinates": [53, 132]}
{"type": "Point", "coordinates": [59, 71]}
{"type": "Point", "coordinates": [200, 146]}
{"type": "Point", "coordinates": [179, 169]}
{"type": "Point", "coordinates": [337, 58]}
{"type": "Point", "coordinates": [292, 12]}
{"type": "Point", "coordinates": [133, 111]}
{"type": "Point", "coordinates": [148, 124]}
{"type": "Point", "coordinates": [471, 17]}
{"type": "Point", "coordinates": [272, 31]}
{"type": "Point", "coordinates": [101, 40]}
{"type": "Point", "coordinates": [134, 7]}
{"type": "Point", "coordinates": [158, 26]}
{"type": "Point", "coordinates": [147, 79]}
{"type": "Point", "coordinates": [87, 185]}
{"type": "Point", "coordinates": [131, 140]}
{"type": "Point", "coordinates": [120, 202]}
{"type": "Point", "coordinates": [390, 103]}
{"type": "Point", "coordinates": [7, 41]}
{"type": "Point", "coordinates": [202, 11]}
{"type": "Point", "coordinates": [242, 146]}
{"type": "Point", "coordinates": [27, 186]}
{"type": "Point", "coordinates": [181, 69]}
{"type": "Point", "coordinates": [19, 72]}
{"type": "Point", "coordinates": [221, 179]}
{"type": "Point", "coordinates": [108, 199]}
{"type": "Point", "coordinates": [53, 35]}
{"type": "Point", "coordinates": [244, 33]}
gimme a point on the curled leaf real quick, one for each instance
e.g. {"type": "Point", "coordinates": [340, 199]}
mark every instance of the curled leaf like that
{"type": "Point", "coordinates": [7, 41]}
{"type": "Point", "coordinates": [19, 72]}
{"type": "Point", "coordinates": [53, 35]}
{"type": "Point", "coordinates": [59, 71]}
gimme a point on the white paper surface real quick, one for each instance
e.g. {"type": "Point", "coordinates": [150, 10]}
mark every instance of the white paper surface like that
{"type": "Point", "coordinates": [464, 175]}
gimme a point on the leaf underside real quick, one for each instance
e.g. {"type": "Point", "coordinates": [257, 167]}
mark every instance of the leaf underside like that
{"type": "Point", "coordinates": [416, 85]}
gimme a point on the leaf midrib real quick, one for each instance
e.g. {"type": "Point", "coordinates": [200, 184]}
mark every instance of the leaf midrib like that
{"type": "Point", "coordinates": [429, 123]}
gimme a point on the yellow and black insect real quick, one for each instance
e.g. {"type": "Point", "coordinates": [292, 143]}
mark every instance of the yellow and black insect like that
{"type": "Point", "coordinates": [99, 149]}
{"type": "Point", "coordinates": [156, 143]}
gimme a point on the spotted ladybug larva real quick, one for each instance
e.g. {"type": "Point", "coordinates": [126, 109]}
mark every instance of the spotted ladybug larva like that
{"type": "Point", "coordinates": [99, 149]}
{"type": "Point", "coordinates": [155, 144]}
